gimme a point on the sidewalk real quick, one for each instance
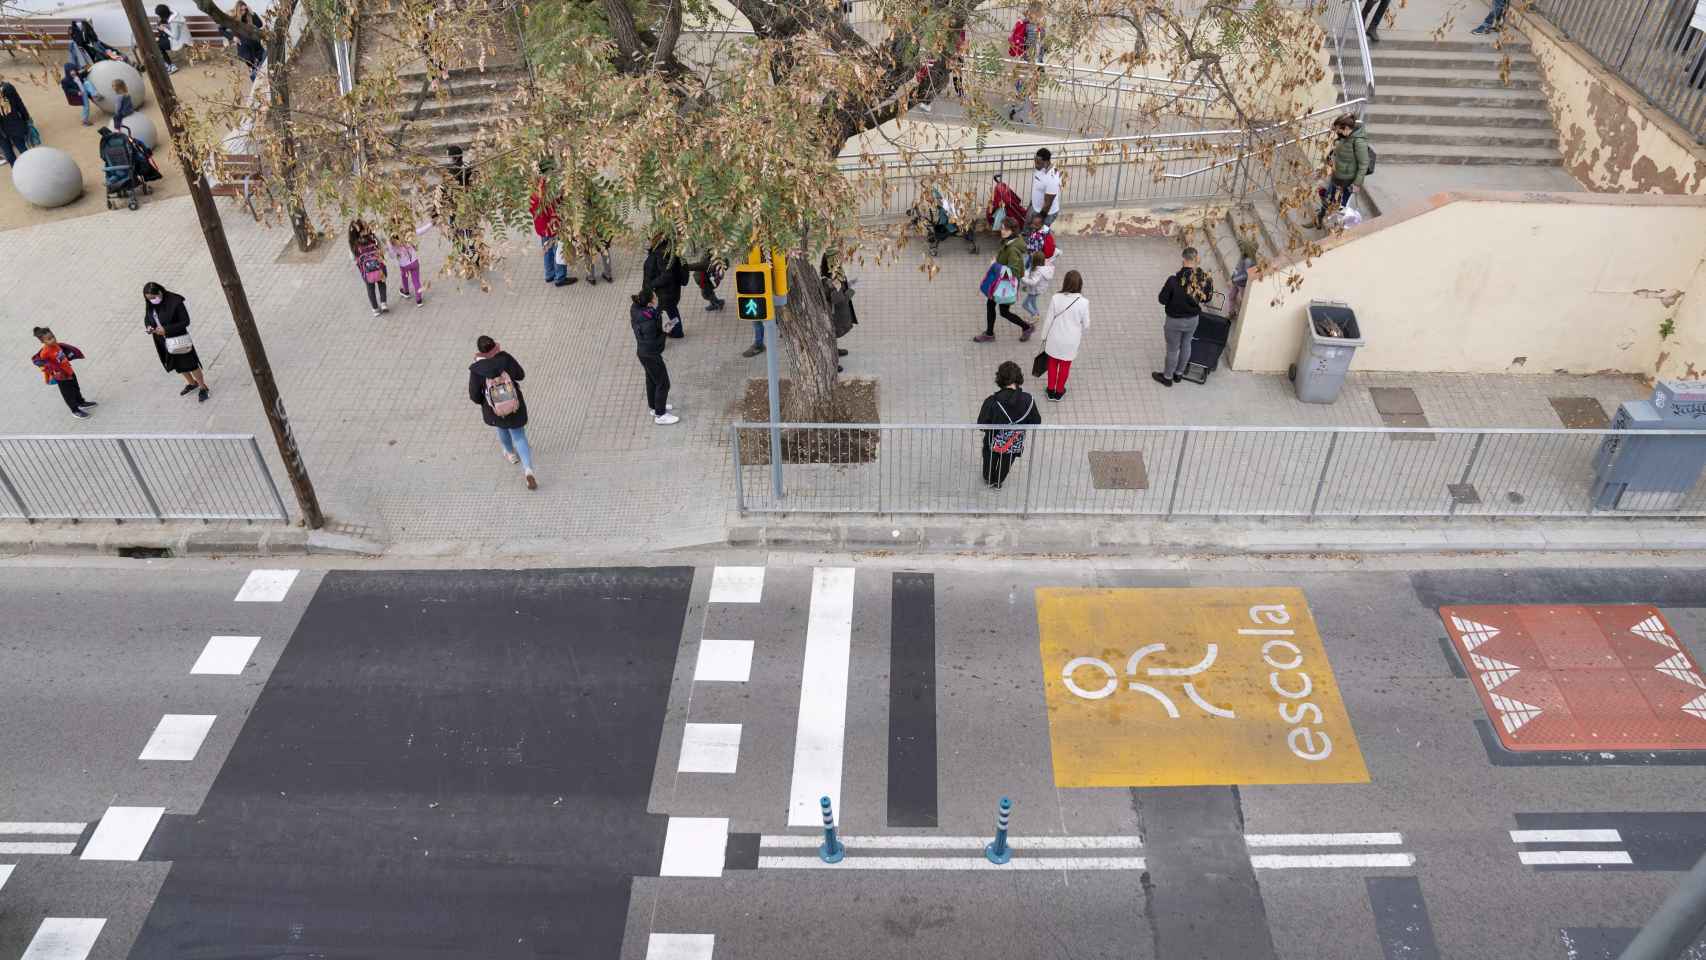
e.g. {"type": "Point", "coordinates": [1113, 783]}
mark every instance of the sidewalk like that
{"type": "Point", "coordinates": [380, 407]}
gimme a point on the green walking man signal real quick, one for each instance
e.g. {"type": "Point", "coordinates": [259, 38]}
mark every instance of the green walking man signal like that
{"type": "Point", "coordinates": [752, 291]}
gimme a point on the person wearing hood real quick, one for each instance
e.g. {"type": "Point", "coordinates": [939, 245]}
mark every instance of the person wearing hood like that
{"type": "Point", "coordinates": [649, 343]}
{"type": "Point", "coordinates": [14, 123]}
{"type": "Point", "coordinates": [494, 382]}
{"type": "Point", "coordinates": [166, 319]}
{"type": "Point", "coordinates": [665, 275]}
{"type": "Point", "coordinates": [1347, 164]}
{"type": "Point", "coordinates": [1004, 410]}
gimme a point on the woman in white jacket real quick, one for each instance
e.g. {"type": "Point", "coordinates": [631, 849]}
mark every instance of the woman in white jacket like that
{"type": "Point", "coordinates": [1063, 330]}
{"type": "Point", "coordinates": [172, 34]}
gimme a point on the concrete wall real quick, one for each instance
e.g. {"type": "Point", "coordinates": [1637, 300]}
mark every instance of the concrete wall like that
{"type": "Point", "coordinates": [1613, 139]}
{"type": "Point", "coordinates": [1491, 282]}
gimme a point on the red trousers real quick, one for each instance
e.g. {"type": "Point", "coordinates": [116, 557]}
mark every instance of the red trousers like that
{"type": "Point", "coordinates": [1057, 373]}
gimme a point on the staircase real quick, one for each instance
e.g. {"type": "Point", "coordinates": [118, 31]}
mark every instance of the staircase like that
{"type": "Point", "coordinates": [1445, 102]}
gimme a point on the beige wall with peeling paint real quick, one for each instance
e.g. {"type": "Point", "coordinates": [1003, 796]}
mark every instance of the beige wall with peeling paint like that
{"type": "Point", "coordinates": [1494, 282]}
{"type": "Point", "coordinates": [1684, 353]}
{"type": "Point", "coordinates": [1613, 139]}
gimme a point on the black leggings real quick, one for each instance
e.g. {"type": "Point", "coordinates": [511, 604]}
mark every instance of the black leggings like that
{"type": "Point", "coordinates": [1006, 311]}
{"type": "Point", "coordinates": [71, 393]}
{"type": "Point", "coordinates": [376, 293]}
{"type": "Point", "coordinates": [657, 384]}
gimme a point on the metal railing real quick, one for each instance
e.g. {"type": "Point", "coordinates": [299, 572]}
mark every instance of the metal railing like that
{"type": "Point", "coordinates": [1223, 471]}
{"type": "Point", "coordinates": [1650, 44]}
{"type": "Point", "coordinates": [1351, 59]}
{"type": "Point", "coordinates": [137, 477]}
{"type": "Point", "coordinates": [1148, 169]}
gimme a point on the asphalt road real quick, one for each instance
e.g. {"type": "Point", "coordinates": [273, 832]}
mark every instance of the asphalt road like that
{"type": "Point", "coordinates": [627, 762]}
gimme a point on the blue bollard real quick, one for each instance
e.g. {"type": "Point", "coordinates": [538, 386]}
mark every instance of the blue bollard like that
{"type": "Point", "coordinates": [999, 851]}
{"type": "Point", "coordinates": [831, 851]}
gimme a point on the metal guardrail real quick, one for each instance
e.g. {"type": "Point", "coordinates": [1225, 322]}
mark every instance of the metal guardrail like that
{"type": "Point", "coordinates": [137, 477]}
{"type": "Point", "coordinates": [1351, 59]}
{"type": "Point", "coordinates": [1650, 44]}
{"type": "Point", "coordinates": [1203, 472]}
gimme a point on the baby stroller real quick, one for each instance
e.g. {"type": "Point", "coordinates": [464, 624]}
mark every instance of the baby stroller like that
{"type": "Point", "coordinates": [939, 219]}
{"type": "Point", "coordinates": [128, 166]}
{"type": "Point", "coordinates": [1005, 206]}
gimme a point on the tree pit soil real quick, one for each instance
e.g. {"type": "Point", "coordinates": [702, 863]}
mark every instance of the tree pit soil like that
{"type": "Point", "coordinates": [855, 402]}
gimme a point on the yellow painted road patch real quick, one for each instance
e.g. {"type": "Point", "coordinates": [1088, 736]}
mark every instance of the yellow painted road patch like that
{"type": "Point", "coordinates": [1172, 687]}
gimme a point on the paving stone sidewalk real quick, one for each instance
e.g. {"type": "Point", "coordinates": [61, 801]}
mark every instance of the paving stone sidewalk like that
{"type": "Point", "coordinates": [381, 410]}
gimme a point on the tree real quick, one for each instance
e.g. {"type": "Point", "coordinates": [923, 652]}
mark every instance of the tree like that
{"type": "Point", "coordinates": [648, 121]}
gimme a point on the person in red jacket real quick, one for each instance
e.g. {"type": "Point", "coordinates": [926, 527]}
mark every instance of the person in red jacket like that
{"type": "Point", "coordinates": [546, 225]}
{"type": "Point", "coordinates": [54, 359]}
{"type": "Point", "coordinates": [1025, 43]}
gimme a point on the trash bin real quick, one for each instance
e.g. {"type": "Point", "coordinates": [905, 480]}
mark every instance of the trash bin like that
{"type": "Point", "coordinates": [1330, 339]}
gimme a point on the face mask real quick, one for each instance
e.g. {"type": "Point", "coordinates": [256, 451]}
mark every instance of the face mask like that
{"type": "Point", "coordinates": [155, 300]}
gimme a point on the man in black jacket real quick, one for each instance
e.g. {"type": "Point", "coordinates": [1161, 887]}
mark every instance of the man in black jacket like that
{"type": "Point", "coordinates": [665, 274]}
{"type": "Point", "coordinates": [1182, 297]}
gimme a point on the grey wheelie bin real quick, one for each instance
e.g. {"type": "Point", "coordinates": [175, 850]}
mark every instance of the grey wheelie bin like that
{"type": "Point", "coordinates": [1330, 339]}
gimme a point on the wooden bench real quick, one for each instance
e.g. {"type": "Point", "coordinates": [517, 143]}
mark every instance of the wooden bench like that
{"type": "Point", "coordinates": [237, 175]}
{"type": "Point", "coordinates": [202, 29]}
{"type": "Point", "coordinates": [19, 33]}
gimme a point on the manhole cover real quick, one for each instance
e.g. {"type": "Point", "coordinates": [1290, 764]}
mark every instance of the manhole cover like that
{"type": "Point", "coordinates": [1581, 413]}
{"type": "Point", "coordinates": [1464, 493]}
{"type": "Point", "coordinates": [1118, 470]}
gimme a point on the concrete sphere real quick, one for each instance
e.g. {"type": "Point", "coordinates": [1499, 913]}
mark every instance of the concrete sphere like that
{"type": "Point", "coordinates": [102, 76]}
{"type": "Point", "coordinates": [141, 126]}
{"type": "Point", "coordinates": [47, 177]}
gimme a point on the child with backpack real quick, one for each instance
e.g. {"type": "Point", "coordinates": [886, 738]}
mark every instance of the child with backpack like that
{"type": "Point", "coordinates": [402, 246]}
{"type": "Point", "coordinates": [369, 264]}
{"type": "Point", "coordinates": [494, 382]}
{"type": "Point", "coordinates": [54, 359]}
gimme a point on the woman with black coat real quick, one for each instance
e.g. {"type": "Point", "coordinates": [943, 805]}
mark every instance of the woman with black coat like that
{"type": "Point", "coordinates": [14, 123]}
{"type": "Point", "coordinates": [838, 291]}
{"type": "Point", "coordinates": [494, 382]}
{"type": "Point", "coordinates": [1006, 408]}
{"type": "Point", "coordinates": [665, 274]}
{"type": "Point", "coordinates": [649, 342]}
{"type": "Point", "coordinates": [168, 322]}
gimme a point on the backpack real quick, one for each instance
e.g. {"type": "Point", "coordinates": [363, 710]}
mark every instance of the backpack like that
{"type": "Point", "coordinates": [1010, 441]}
{"type": "Point", "coordinates": [501, 395]}
{"type": "Point", "coordinates": [1372, 157]}
{"type": "Point", "coordinates": [371, 263]}
{"type": "Point", "coordinates": [1016, 40]}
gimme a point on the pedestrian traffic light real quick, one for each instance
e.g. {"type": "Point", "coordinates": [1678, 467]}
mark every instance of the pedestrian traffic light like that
{"type": "Point", "coordinates": [752, 291]}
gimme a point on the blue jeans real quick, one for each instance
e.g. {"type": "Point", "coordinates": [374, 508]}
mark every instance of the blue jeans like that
{"type": "Point", "coordinates": [88, 97]}
{"type": "Point", "coordinates": [1338, 194]}
{"type": "Point", "coordinates": [514, 440]}
{"type": "Point", "coordinates": [554, 271]}
{"type": "Point", "coordinates": [758, 333]}
{"type": "Point", "coordinates": [1495, 15]}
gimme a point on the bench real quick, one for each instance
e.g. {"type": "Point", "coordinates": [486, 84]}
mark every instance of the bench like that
{"type": "Point", "coordinates": [236, 175]}
{"type": "Point", "coordinates": [17, 33]}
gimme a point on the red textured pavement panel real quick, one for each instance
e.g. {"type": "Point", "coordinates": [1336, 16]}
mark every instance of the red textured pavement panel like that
{"type": "Point", "coordinates": [1568, 677]}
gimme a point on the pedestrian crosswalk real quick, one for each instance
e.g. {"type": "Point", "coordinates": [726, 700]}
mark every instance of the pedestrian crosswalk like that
{"type": "Point", "coordinates": [39, 838]}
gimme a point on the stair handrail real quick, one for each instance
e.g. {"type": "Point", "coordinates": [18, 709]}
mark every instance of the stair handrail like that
{"type": "Point", "coordinates": [1351, 24]}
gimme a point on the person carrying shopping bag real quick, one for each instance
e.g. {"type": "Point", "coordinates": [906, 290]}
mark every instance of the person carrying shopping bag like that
{"type": "Point", "coordinates": [1000, 285]}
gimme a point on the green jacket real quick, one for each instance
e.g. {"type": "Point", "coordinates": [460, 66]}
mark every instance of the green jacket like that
{"type": "Point", "coordinates": [1350, 156]}
{"type": "Point", "coordinates": [1012, 253]}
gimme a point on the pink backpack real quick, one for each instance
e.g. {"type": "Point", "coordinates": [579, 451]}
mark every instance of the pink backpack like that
{"type": "Point", "coordinates": [501, 395]}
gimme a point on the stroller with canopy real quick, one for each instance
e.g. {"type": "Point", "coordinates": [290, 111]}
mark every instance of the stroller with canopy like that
{"type": "Point", "coordinates": [938, 216]}
{"type": "Point", "coordinates": [128, 166]}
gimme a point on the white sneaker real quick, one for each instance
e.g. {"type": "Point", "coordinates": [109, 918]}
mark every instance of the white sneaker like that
{"type": "Point", "coordinates": [512, 458]}
{"type": "Point", "coordinates": [376, 313]}
{"type": "Point", "coordinates": [384, 307]}
{"type": "Point", "coordinates": [666, 407]}
{"type": "Point", "coordinates": [666, 419]}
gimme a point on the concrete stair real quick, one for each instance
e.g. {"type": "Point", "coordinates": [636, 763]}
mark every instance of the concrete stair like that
{"type": "Point", "coordinates": [1471, 102]}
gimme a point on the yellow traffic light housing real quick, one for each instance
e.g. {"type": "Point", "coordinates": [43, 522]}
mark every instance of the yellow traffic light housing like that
{"type": "Point", "coordinates": [752, 291]}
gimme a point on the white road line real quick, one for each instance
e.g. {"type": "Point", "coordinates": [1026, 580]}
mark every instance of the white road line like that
{"type": "Point", "coordinates": [821, 735]}
{"type": "Point", "coordinates": [680, 946]}
{"type": "Point", "coordinates": [1306, 861]}
{"type": "Point", "coordinates": [225, 656]}
{"type": "Point", "coordinates": [710, 748]}
{"type": "Point", "coordinates": [178, 736]}
{"type": "Point", "coordinates": [37, 847]}
{"type": "Point", "coordinates": [266, 586]}
{"type": "Point", "coordinates": [723, 661]}
{"type": "Point", "coordinates": [1322, 839]}
{"type": "Point", "coordinates": [5, 871]}
{"type": "Point", "coordinates": [64, 938]}
{"type": "Point", "coordinates": [694, 847]}
{"type": "Point", "coordinates": [123, 833]}
{"type": "Point", "coordinates": [51, 829]}
{"type": "Point", "coordinates": [952, 863]}
{"type": "Point", "coordinates": [1547, 858]}
{"type": "Point", "coordinates": [737, 584]}
{"type": "Point", "coordinates": [794, 841]}
{"type": "Point", "coordinates": [1562, 836]}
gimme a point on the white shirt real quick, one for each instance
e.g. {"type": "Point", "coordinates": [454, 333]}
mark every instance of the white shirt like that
{"type": "Point", "coordinates": [1045, 182]}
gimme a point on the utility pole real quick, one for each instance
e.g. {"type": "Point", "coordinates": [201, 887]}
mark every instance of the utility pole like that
{"type": "Point", "coordinates": [226, 267]}
{"type": "Point", "coordinates": [1677, 924]}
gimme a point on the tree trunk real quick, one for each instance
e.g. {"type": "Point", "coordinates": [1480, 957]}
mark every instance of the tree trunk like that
{"type": "Point", "coordinates": [278, 115]}
{"type": "Point", "coordinates": [805, 326]}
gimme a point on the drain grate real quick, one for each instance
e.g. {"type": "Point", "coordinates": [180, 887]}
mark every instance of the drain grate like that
{"type": "Point", "coordinates": [145, 553]}
{"type": "Point", "coordinates": [1580, 413]}
{"type": "Point", "coordinates": [1118, 470]}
